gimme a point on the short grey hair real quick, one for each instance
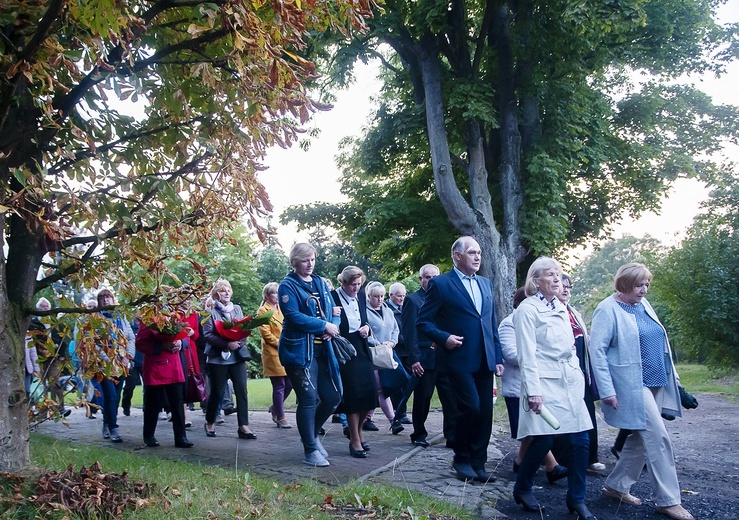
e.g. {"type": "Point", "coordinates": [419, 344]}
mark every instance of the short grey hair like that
{"type": "Point", "coordinates": [540, 265]}
{"type": "Point", "coordinates": [425, 267]}
{"type": "Point", "coordinates": [395, 287]}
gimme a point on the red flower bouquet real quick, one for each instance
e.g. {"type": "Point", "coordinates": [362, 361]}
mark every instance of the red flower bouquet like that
{"type": "Point", "coordinates": [239, 329]}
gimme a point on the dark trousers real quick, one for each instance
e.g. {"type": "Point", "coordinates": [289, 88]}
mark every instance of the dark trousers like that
{"type": "Point", "coordinates": [592, 434]}
{"type": "Point", "coordinates": [111, 394]}
{"type": "Point", "coordinates": [422, 403]}
{"type": "Point", "coordinates": [396, 396]}
{"type": "Point", "coordinates": [219, 374]}
{"type": "Point", "coordinates": [577, 465]}
{"type": "Point", "coordinates": [153, 395]}
{"type": "Point", "coordinates": [317, 399]}
{"type": "Point", "coordinates": [129, 384]}
{"type": "Point", "coordinates": [474, 423]}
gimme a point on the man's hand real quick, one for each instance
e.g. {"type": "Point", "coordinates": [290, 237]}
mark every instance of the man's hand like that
{"type": "Point", "coordinates": [453, 342]}
{"type": "Point", "coordinates": [417, 369]}
{"type": "Point", "coordinates": [499, 369]}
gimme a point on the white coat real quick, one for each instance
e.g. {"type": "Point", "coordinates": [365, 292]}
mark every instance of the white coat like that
{"type": "Point", "coordinates": [549, 368]}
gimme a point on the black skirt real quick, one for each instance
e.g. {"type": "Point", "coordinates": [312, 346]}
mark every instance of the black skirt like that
{"type": "Point", "coordinates": [358, 379]}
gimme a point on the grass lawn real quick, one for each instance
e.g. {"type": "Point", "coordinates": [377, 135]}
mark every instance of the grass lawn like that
{"type": "Point", "coordinates": [194, 491]}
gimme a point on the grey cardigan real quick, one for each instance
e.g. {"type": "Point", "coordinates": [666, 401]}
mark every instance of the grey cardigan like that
{"type": "Point", "coordinates": [616, 360]}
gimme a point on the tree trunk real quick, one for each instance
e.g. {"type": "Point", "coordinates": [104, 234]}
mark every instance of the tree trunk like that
{"type": "Point", "coordinates": [14, 450]}
{"type": "Point", "coordinates": [475, 219]}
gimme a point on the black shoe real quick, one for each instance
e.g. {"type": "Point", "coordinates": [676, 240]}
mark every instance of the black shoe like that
{"type": "Point", "coordinates": [209, 433]}
{"type": "Point", "coordinates": [151, 442]}
{"type": "Point", "coordinates": [405, 420]}
{"type": "Point", "coordinates": [464, 471]}
{"type": "Point", "coordinates": [230, 410]}
{"type": "Point", "coordinates": [528, 501]}
{"type": "Point", "coordinates": [365, 446]}
{"type": "Point", "coordinates": [321, 431]}
{"type": "Point", "coordinates": [346, 432]}
{"type": "Point", "coordinates": [396, 427]}
{"type": "Point", "coordinates": [423, 443]}
{"type": "Point", "coordinates": [615, 452]}
{"type": "Point", "coordinates": [127, 412]}
{"type": "Point", "coordinates": [357, 454]}
{"type": "Point", "coordinates": [483, 476]}
{"type": "Point", "coordinates": [246, 435]}
{"type": "Point", "coordinates": [581, 509]}
{"type": "Point", "coordinates": [369, 426]}
{"type": "Point", "coordinates": [558, 473]}
{"type": "Point", "coordinates": [182, 443]}
{"type": "Point", "coordinates": [336, 419]}
{"type": "Point", "coordinates": [65, 412]}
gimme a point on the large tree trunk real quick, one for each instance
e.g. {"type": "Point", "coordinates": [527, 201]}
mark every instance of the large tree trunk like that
{"type": "Point", "coordinates": [475, 218]}
{"type": "Point", "coordinates": [14, 450]}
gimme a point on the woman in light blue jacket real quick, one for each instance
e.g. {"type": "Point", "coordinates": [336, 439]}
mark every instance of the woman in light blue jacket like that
{"type": "Point", "coordinates": [632, 365]}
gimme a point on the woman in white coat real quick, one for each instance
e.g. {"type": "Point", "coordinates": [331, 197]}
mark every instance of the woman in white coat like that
{"type": "Point", "coordinates": [551, 381]}
{"type": "Point", "coordinates": [632, 364]}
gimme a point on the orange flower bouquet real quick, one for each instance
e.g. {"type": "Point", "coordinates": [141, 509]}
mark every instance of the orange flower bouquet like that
{"type": "Point", "coordinates": [170, 326]}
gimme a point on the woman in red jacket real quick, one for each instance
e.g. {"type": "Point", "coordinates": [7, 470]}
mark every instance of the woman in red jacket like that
{"type": "Point", "coordinates": [163, 375]}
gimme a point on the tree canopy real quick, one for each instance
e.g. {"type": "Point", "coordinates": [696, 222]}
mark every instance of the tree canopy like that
{"type": "Point", "coordinates": [125, 123]}
{"type": "Point", "coordinates": [531, 126]}
{"type": "Point", "coordinates": [695, 282]}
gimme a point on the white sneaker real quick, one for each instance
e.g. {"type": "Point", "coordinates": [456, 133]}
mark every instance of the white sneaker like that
{"type": "Point", "coordinates": [314, 458]}
{"type": "Point", "coordinates": [597, 466]}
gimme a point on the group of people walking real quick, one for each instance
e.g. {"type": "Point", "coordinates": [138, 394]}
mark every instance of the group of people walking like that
{"type": "Point", "coordinates": [319, 344]}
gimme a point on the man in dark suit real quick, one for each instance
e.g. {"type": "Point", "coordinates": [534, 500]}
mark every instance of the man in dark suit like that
{"type": "Point", "coordinates": [395, 302]}
{"type": "Point", "coordinates": [422, 360]}
{"type": "Point", "coordinates": [459, 316]}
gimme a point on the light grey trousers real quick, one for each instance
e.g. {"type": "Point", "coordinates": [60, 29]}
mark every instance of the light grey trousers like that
{"type": "Point", "coordinates": [653, 447]}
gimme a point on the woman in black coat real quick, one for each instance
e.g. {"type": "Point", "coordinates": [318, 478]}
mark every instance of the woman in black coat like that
{"type": "Point", "coordinates": [358, 374]}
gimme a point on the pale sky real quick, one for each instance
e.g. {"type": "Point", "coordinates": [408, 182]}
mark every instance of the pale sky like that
{"type": "Point", "coordinates": [298, 177]}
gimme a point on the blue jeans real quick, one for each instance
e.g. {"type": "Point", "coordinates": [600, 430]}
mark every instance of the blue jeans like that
{"type": "Point", "coordinates": [317, 398]}
{"type": "Point", "coordinates": [111, 394]}
{"type": "Point", "coordinates": [577, 466]}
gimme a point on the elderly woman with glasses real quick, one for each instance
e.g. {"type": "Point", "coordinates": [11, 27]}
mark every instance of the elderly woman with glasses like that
{"type": "Point", "coordinates": [632, 364]}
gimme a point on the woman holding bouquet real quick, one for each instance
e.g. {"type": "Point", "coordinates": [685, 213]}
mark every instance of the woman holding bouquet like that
{"type": "Point", "coordinates": [305, 349]}
{"type": "Point", "coordinates": [226, 359]}
{"type": "Point", "coordinates": [163, 377]}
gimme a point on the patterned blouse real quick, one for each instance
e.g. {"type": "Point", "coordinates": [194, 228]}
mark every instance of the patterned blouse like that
{"type": "Point", "coordinates": [651, 344]}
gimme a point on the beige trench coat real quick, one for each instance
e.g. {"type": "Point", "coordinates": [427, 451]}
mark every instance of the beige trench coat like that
{"type": "Point", "coordinates": [549, 368]}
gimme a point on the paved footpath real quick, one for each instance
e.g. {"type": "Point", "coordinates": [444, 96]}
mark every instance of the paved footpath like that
{"type": "Point", "coordinates": [277, 453]}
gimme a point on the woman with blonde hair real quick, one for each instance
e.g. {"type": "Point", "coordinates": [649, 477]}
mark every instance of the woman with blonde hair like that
{"type": "Point", "coordinates": [552, 385]}
{"type": "Point", "coordinates": [270, 332]}
{"type": "Point", "coordinates": [637, 381]}
{"type": "Point", "coordinates": [226, 359]}
{"type": "Point", "coordinates": [306, 352]}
